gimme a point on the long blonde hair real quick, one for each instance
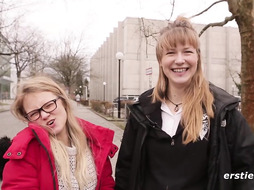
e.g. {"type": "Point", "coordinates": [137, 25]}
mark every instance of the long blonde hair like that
{"type": "Point", "coordinates": [197, 94]}
{"type": "Point", "coordinates": [45, 84]}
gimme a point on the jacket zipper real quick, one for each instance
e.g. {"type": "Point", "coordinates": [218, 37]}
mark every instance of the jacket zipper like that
{"type": "Point", "coordinates": [50, 161]}
{"type": "Point", "coordinates": [156, 127]}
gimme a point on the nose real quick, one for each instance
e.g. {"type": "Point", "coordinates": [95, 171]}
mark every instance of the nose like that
{"type": "Point", "coordinates": [44, 114]}
{"type": "Point", "coordinates": [179, 58]}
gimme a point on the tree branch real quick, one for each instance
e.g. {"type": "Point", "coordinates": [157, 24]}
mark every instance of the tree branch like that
{"type": "Point", "coordinates": [207, 8]}
{"type": "Point", "coordinates": [227, 19]}
{"type": "Point", "coordinates": [9, 54]}
{"type": "Point", "coordinates": [172, 10]}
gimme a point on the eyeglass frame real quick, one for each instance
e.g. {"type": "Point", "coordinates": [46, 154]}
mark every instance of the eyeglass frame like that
{"type": "Point", "coordinates": [41, 109]}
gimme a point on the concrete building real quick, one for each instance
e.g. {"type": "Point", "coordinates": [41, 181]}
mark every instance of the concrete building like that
{"type": "Point", "coordinates": [6, 74]}
{"type": "Point", "coordinates": [220, 49]}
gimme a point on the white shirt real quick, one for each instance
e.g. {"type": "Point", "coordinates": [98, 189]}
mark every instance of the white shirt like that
{"type": "Point", "coordinates": [170, 121]}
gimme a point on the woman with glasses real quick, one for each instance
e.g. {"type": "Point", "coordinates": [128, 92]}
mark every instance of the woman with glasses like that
{"type": "Point", "coordinates": [57, 151]}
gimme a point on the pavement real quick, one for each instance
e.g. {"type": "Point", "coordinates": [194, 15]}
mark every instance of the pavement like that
{"type": "Point", "coordinates": [5, 105]}
{"type": "Point", "coordinates": [87, 114]}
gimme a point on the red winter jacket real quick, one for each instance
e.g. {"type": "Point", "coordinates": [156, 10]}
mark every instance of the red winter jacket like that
{"type": "Point", "coordinates": [32, 166]}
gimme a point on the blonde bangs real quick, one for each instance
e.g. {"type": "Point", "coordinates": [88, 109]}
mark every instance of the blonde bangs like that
{"type": "Point", "coordinates": [171, 37]}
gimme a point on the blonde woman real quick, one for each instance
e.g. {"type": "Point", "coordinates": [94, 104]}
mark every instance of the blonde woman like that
{"type": "Point", "coordinates": [57, 151]}
{"type": "Point", "coordinates": [185, 134]}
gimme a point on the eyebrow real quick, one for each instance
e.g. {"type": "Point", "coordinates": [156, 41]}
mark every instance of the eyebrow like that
{"type": "Point", "coordinates": [40, 106]}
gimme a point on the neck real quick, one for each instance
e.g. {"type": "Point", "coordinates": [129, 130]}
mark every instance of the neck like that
{"type": "Point", "coordinates": [64, 137]}
{"type": "Point", "coordinates": [175, 95]}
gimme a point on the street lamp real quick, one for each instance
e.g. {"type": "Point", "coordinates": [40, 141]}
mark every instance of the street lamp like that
{"type": "Point", "coordinates": [104, 87]}
{"type": "Point", "coordinates": [80, 90]}
{"type": "Point", "coordinates": [85, 92]}
{"type": "Point", "coordinates": [119, 57]}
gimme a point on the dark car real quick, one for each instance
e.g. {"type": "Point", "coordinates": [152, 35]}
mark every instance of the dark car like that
{"type": "Point", "coordinates": [122, 98]}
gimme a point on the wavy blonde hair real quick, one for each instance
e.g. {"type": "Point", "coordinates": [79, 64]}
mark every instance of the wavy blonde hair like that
{"type": "Point", "coordinates": [76, 134]}
{"type": "Point", "coordinates": [198, 98]}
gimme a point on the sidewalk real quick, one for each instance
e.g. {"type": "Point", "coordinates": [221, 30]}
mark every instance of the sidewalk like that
{"type": "Point", "coordinates": [5, 105]}
{"type": "Point", "coordinates": [85, 113]}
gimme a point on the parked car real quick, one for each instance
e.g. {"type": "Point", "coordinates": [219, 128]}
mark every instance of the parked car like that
{"type": "Point", "coordinates": [122, 98]}
{"type": "Point", "coordinates": [135, 99]}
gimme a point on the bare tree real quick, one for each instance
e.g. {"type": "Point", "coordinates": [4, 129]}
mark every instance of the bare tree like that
{"type": "Point", "coordinates": [4, 69]}
{"type": "Point", "coordinates": [5, 57]}
{"type": "Point", "coordinates": [70, 63]}
{"type": "Point", "coordinates": [5, 54]}
{"type": "Point", "coordinates": [242, 13]}
{"type": "Point", "coordinates": [25, 45]}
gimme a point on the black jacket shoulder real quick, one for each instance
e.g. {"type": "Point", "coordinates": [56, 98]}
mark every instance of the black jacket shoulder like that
{"type": "Point", "coordinates": [223, 99]}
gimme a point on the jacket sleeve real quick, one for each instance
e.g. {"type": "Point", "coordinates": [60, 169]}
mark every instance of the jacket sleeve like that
{"type": "Point", "coordinates": [125, 157]}
{"type": "Point", "coordinates": [241, 144]}
{"type": "Point", "coordinates": [107, 182]}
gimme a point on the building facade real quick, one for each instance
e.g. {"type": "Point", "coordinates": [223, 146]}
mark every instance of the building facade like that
{"type": "Point", "coordinates": [136, 39]}
{"type": "Point", "coordinates": [6, 72]}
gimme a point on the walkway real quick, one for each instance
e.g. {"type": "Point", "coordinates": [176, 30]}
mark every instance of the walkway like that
{"type": "Point", "coordinates": [85, 113]}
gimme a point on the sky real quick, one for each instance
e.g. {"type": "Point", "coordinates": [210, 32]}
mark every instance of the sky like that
{"type": "Point", "coordinates": [96, 19]}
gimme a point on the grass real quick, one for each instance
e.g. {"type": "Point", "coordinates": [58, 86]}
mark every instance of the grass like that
{"type": "Point", "coordinates": [2, 104]}
{"type": "Point", "coordinates": [120, 124]}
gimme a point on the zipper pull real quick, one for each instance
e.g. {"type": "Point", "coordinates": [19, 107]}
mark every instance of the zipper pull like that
{"type": "Point", "coordinates": [172, 142]}
{"type": "Point", "coordinates": [153, 124]}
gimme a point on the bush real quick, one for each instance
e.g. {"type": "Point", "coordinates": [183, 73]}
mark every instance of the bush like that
{"type": "Point", "coordinates": [107, 106]}
{"type": "Point", "coordinates": [96, 106]}
{"type": "Point", "coordinates": [84, 102]}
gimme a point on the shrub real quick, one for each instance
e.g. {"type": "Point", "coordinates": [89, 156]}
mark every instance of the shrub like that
{"type": "Point", "coordinates": [84, 102]}
{"type": "Point", "coordinates": [96, 106]}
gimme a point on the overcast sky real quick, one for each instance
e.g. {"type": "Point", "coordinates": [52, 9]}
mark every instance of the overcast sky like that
{"type": "Point", "coordinates": [97, 18]}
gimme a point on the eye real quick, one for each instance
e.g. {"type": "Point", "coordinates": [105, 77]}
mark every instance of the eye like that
{"type": "Point", "coordinates": [170, 52]}
{"type": "Point", "coordinates": [33, 114]}
{"type": "Point", "coordinates": [188, 51]}
{"type": "Point", "coordinates": [49, 105]}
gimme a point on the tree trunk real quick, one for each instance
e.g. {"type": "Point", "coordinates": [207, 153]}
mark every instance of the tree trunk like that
{"type": "Point", "coordinates": [243, 10]}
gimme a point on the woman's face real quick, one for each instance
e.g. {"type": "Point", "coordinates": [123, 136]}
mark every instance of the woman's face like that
{"type": "Point", "coordinates": [179, 64]}
{"type": "Point", "coordinates": [55, 120]}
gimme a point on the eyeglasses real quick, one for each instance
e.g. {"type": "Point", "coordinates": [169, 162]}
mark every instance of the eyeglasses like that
{"type": "Point", "coordinates": [47, 107]}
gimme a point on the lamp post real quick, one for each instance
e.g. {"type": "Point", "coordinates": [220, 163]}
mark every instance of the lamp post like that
{"type": "Point", "coordinates": [104, 90]}
{"type": "Point", "coordinates": [119, 57]}
{"type": "Point", "coordinates": [85, 92]}
{"type": "Point", "coordinates": [80, 91]}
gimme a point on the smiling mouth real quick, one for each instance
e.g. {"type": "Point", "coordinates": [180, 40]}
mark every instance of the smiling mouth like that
{"type": "Point", "coordinates": [179, 70]}
{"type": "Point", "coordinates": [51, 122]}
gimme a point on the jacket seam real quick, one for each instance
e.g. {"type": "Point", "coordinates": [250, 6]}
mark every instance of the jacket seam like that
{"type": "Point", "coordinates": [50, 161]}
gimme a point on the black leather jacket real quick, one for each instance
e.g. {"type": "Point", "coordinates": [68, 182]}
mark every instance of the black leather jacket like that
{"type": "Point", "coordinates": [231, 145]}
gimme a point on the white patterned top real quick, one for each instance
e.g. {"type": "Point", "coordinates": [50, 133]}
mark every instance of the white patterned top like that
{"type": "Point", "coordinates": [91, 185]}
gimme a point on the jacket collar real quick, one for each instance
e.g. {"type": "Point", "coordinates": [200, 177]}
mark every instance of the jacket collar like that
{"type": "Point", "coordinates": [20, 142]}
{"type": "Point", "coordinates": [99, 137]}
{"type": "Point", "coordinates": [222, 99]}
{"type": "Point", "coordinates": [151, 110]}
